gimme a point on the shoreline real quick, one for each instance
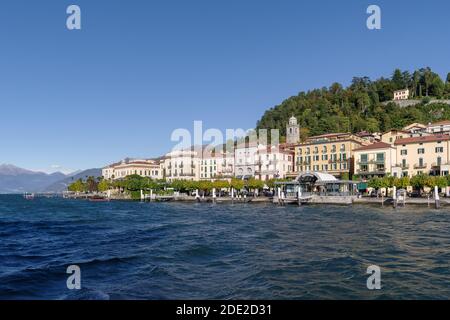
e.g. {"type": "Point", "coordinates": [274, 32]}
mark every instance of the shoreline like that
{"type": "Point", "coordinates": [312, 200]}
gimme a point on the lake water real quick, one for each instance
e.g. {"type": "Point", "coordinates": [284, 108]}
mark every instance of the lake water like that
{"type": "Point", "coordinates": [132, 250]}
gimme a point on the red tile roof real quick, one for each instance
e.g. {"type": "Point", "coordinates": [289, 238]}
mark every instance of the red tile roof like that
{"type": "Point", "coordinates": [423, 139]}
{"type": "Point", "coordinates": [440, 123]}
{"type": "Point", "coordinates": [377, 145]}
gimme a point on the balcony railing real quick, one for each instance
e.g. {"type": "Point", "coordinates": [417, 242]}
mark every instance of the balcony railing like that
{"type": "Point", "coordinates": [374, 171]}
{"type": "Point", "coordinates": [403, 166]}
{"type": "Point", "coordinates": [186, 175]}
{"type": "Point", "coordinates": [420, 166]}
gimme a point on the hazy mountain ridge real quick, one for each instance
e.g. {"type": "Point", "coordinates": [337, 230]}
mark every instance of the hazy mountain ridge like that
{"type": "Point", "coordinates": [61, 185]}
{"type": "Point", "coordinates": [18, 180]}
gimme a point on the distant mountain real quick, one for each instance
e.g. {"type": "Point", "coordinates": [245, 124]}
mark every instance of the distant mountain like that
{"type": "Point", "coordinates": [17, 180]}
{"type": "Point", "coordinates": [61, 185]}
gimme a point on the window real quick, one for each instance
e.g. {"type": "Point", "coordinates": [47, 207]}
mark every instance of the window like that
{"type": "Point", "coordinates": [439, 161]}
{"type": "Point", "coordinates": [439, 149]}
{"type": "Point", "coordinates": [364, 158]}
{"type": "Point", "coordinates": [420, 151]}
{"type": "Point", "coordinates": [380, 157]}
{"type": "Point", "coordinates": [421, 162]}
{"type": "Point", "coordinates": [404, 152]}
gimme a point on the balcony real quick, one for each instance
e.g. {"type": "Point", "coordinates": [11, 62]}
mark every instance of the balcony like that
{"type": "Point", "coordinates": [187, 175]}
{"type": "Point", "coordinates": [404, 167]}
{"type": "Point", "coordinates": [372, 171]}
{"type": "Point", "coordinates": [438, 165]}
{"type": "Point", "coordinates": [268, 172]}
{"type": "Point", "coordinates": [420, 166]}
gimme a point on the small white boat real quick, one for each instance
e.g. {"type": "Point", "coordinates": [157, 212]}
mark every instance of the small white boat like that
{"type": "Point", "coordinates": [28, 196]}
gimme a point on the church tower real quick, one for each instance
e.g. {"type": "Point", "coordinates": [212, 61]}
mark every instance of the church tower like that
{"type": "Point", "coordinates": [292, 131]}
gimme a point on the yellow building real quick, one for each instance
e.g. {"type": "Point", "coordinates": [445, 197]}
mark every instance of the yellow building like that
{"type": "Point", "coordinates": [128, 167]}
{"type": "Point", "coordinates": [425, 154]}
{"type": "Point", "coordinates": [330, 153]}
{"type": "Point", "coordinates": [375, 160]}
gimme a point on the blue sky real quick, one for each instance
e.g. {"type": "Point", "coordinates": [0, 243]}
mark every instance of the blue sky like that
{"type": "Point", "coordinates": [140, 69]}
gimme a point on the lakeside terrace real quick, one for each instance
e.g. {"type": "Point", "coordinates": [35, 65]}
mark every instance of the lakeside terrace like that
{"type": "Point", "coordinates": [316, 187]}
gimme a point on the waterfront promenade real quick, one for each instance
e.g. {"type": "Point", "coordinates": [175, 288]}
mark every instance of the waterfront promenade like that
{"type": "Point", "coordinates": [310, 200]}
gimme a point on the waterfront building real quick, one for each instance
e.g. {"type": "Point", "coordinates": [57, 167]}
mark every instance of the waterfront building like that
{"type": "Point", "coordinates": [401, 94]}
{"type": "Point", "coordinates": [245, 157]}
{"type": "Point", "coordinates": [144, 168]}
{"type": "Point", "coordinates": [182, 164]}
{"type": "Point", "coordinates": [423, 155]}
{"type": "Point", "coordinates": [292, 131]}
{"type": "Point", "coordinates": [216, 165]}
{"type": "Point", "coordinates": [331, 153]}
{"type": "Point", "coordinates": [375, 160]}
{"type": "Point", "coordinates": [274, 162]}
{"type": "Point", "coordinates": [317, 187]}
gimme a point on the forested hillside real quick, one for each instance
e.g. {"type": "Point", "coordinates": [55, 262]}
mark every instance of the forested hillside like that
{"type": "Point", "coordinates": [360, 106]}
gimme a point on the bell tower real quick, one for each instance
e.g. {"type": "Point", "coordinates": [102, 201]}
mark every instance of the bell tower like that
{"type": "Point", "coordinates": [292, 131]}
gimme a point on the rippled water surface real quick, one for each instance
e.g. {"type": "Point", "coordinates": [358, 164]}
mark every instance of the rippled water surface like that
{"type": "Point", "coordinates": [206, 251]}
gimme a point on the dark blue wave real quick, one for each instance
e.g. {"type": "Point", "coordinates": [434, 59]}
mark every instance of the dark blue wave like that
{"type": "Point", "coordinates": [204, 251]}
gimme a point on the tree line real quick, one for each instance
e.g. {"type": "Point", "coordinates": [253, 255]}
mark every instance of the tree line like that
{"type": "Point", "coordinates": [135, 183]}
{"type": "Point", "coordinates": [418, 182]}
{"type": "Point", "coordinates": [365, 105]}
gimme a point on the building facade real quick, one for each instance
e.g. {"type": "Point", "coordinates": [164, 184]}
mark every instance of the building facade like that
{"type": "Point", "coordinates": [245, 157]}
{"type": "Point", "coordinates": [273, 162]}
{"type": "Point", "coordinates": [182, 165]}
{"type": "Point", "coordinates": [439, 127]}
{"type": "Point", "coordinates": [216, 166]}
{"type": "Point", "coordinates": [330, 153]}
{"type": "Point", "coordinates": [144, 168]}
{"type": "Point", "coordinates": [401, 94]}
{"type": "Point", "coordinates": [375, 160]}
{"type": "Point", "coordinates": [423, 155]}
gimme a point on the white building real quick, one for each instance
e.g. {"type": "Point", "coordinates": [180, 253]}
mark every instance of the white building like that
{"type": "Point", "coordinates": [439, 127]}
{"type": "Point", "coordinates": [144, 168]}
{"type": "Point", "coordinates": [401, 94]}
{"type": "Point", "coordinates": [216, 165]}
{"type": "Point", "coordinates": [245, 156]}
{"type": "Point", "coordinates": [182, 165]}
{"type": "Point", "coordinates": [274, 163]}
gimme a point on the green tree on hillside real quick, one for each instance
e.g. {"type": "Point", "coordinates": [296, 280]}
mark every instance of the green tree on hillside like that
{"type": "Point", "coordinates": [364, 105]}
